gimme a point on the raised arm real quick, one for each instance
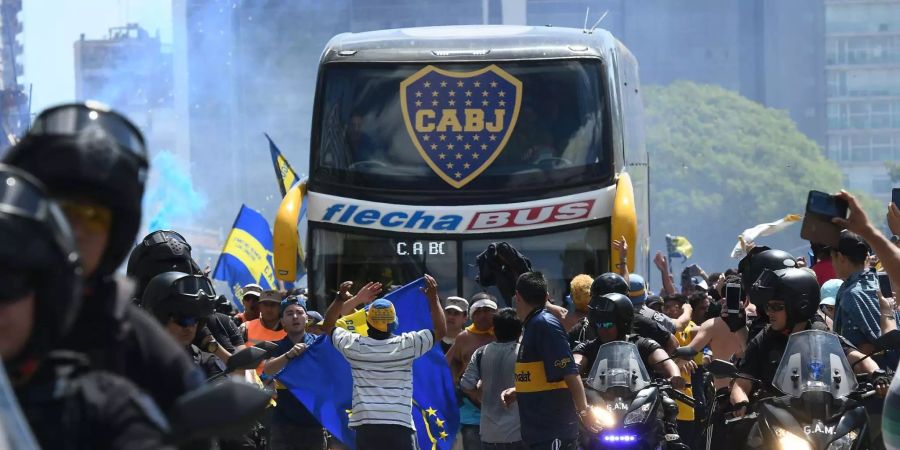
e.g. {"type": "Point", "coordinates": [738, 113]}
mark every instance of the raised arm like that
{"type": "Point", "coordinates": [365, 295]}
{"type": "Point", "coordinates": [333, 313]}
{"type": "Point", "coordinates": [663, 266]}
{"type": "Point", "coordinates": [437, 312]}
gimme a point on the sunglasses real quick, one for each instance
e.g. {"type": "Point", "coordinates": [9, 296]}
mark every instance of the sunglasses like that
{"type": "Point", "coordinates": [95, 218]}
{"type": "Point", "coordinates": [185, 321]}
{"type": "Point", "coordinates": [774, 307]}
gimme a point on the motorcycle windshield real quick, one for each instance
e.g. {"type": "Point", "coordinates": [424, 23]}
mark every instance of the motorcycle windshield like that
{"type": "Point", "coordinates": [618, 364]}
{"type": "Point", "coordinates": [814, 361]}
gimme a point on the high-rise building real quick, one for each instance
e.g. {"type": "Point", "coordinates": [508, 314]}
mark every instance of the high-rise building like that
{"type": "Point", "coordinates": [863, 72]}
{"type": "Point", "coordinates": [131, 71]}
{"type": "Point", "coordinates": [245, 68]}
{"type": "Point", "coordinates": [739, 45]}
{"type": "Point", "coordinates": [14, 117]}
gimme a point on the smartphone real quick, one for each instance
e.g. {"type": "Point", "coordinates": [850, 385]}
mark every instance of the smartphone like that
{"type": "Point", "coordinates": [895, 196]}
{"type": "Point", "coordinates": [825, 205]}
{"type": "Point", "coordinates": [820, 209]}
{"type": "Point", "coordinates": [733, 297]}
{"type": "Point", "coordinates": [885, 283]}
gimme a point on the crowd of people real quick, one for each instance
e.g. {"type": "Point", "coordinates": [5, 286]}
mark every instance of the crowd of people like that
{"type": "Point", "coordinates": [98, 362]}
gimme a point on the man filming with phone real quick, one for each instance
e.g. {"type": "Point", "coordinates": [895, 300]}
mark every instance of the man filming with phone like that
{"type": "Point", "coordinates": [856, 312]}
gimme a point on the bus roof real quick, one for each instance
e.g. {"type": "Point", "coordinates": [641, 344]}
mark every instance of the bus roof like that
{"type": "Point", "coordinates": [469, 43]}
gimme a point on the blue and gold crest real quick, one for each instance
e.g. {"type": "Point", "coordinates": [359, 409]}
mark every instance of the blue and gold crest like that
{"type": "Point", "coordinates": [460, 121]}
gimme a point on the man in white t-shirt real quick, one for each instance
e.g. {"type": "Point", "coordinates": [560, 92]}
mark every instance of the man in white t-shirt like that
{"type": "Point", "coordinates": [381, 365]}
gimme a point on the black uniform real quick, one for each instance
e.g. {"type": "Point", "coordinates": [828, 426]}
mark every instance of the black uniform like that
{"type": "Point", "coordinates": [71, 408]}
{"type": "Point", "coordinates": [121, 338]}
{"type": "Point", "coordinates": [589, 349]}
{"type": "Point", "coordinates": [764, 352]}
{"type": "Point", "coordinates": [223, 330]}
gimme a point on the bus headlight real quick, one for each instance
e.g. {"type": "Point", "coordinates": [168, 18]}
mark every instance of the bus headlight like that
{"type": "Point", "coordinates": [790, 441]}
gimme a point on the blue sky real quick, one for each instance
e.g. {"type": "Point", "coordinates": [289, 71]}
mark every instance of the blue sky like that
{"type": "Point", "coordinates": [51, 28]}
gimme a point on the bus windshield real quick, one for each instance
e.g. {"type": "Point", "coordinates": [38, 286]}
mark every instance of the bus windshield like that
{"type": "Point", "coordinates": [561, 136]}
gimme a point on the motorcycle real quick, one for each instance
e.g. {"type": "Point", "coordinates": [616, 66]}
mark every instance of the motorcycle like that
{"type": "Point", "coordinates": [818, 404]}
{"type": "Point", "coordinates": [635, 411]}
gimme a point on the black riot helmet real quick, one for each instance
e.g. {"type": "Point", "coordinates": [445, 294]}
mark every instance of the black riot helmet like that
{"type": "Point", "coordinates": [609, 283]}
{"type": "Point", "coordinates": [37, 255]}
{"type": "Point", "coordinates": [85, 151]}
{"type": "Point", "coordinates": [758, 260]}
{"type": "Point", "coordinates": [160, 251]}
{"type": "Point", "coordinates": [177, 294]}
{"type": "Point", "coordinates": [612, 308]}
{"type": "Point", "coordinates": [797, 288]}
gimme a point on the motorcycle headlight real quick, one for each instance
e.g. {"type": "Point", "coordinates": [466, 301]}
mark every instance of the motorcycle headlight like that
{"type": "Point", "coordinates": [844, 442]}
{"type": "Point", "coordinates": [638, 415]}
{"type": "Point", "coordinates": [790, 441]}
{"type": "Point", "coordinates": [604, 417]}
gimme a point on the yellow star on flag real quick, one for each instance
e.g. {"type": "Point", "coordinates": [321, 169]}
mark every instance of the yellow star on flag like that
{"type": "Point", "coordinates": [439, 422]}
{"type": "Point", "coordinates": [431, 411]}
{"type": "Point", "coordinates": [443, 435]}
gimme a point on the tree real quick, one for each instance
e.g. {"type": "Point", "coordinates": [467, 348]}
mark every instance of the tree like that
{"type": "Point", "coordinates": [894, 171]}
{"type": "Point", "coordinates": [721, 163]}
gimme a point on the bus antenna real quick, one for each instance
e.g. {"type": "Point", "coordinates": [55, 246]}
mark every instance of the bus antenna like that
{"type": "Point", "coordinates": [598, 21]}
{"type": "Point", "coordinates": [586, 14]}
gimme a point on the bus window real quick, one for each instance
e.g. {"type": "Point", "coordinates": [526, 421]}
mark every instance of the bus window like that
{"type": "Point", "coordinates": [560, 256]}
{"type": "Point", "coordinates": [561, 137]}
{"type": "Point", "coordinates": [392, 261]}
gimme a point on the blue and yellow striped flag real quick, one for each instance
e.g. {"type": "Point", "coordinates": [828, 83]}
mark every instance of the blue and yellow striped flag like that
{"type": "Point", "coordinates": [679, 246]}
{"type": "Point", "coordinates": [283, 170]}
{"type": "Point", "coordinates": [247, 254]}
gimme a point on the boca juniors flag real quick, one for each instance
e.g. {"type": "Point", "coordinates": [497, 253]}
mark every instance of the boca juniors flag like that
{"type": "Point", "coordinates": [460, 121]}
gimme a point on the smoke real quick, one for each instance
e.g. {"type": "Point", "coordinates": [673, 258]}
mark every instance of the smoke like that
{"type": "Point", "coordinates": [171, 200]}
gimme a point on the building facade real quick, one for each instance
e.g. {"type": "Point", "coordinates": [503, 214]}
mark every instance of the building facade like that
{"type": "Point", "coordinates": [863, 72]}
{"type": "Point", "coordinates": [130, 71]}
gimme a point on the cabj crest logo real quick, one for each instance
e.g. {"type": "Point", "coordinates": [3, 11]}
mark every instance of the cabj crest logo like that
{"type": "Point", "coordinates": [460, 121]}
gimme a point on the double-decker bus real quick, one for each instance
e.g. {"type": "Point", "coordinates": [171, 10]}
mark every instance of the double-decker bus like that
{"type": "Point", "coordinates": [429, 144]}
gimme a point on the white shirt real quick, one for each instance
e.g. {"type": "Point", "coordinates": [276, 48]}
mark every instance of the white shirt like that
{"type": "Point", "coordinates": [382, 374]}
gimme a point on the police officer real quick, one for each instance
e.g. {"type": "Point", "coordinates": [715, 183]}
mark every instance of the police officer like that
{"type": "Point", "coordinates": [181, 305]}
{"type": "Point", "coordinates": [612, 317]}
{"type": "Point", "coordinates": [93, 162]}
{"type": "Point", "coordinates": [166, 251]}
{"type": "Point", "coordinates": [791, 298]}
{"type": "Point", "coordinates": [65, 402]}
{"type": "Point", "coordinates": [751, 267]}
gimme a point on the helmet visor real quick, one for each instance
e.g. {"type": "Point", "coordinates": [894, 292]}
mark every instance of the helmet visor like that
{"type": "Point", "coordinates": [89, 120]}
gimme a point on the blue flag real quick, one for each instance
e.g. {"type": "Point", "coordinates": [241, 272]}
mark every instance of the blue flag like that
{"type": "Point", "coordinates": [247, 255]}
{"type": "Point", "coordinates": [321, 380]}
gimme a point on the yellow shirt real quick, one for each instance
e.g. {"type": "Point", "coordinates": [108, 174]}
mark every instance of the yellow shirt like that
{"type": "Point", "coordinates": [686, 412]}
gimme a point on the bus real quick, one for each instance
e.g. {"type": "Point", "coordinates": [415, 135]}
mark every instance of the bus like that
{"type": "Point", "coordinates": [429, 144]}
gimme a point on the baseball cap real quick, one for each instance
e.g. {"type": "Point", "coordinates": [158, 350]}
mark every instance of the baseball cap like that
{"type": "Point", "coordinates": [850, 244]}
{"type": "Point", "coordinates": [637, 289]}
{"type": "Point", "coordinates": [483, 303]}
{"type": "Point", "coordinates": [829, 291]}
{"type": "Point", "coordinates": [270, 295]}
{"type": "Point", "coordinates": [251, 289]}
{"type": "Point", "coordinates": [458, 303]}
{"type": "Point", "coordinates": [698, 282]}
{"type": "Point", "coordinates": [381, 315]}
{"type": "Point", "coordinates": [314, 318]}
{"type": "Point", "coordinates": [293, 300]}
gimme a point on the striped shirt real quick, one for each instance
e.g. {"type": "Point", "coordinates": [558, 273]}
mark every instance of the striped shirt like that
{"type": "Point", "coordinates": [382, 374]}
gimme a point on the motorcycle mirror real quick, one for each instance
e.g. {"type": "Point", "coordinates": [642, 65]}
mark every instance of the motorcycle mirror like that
{"type": "Point", "coordinates": [246, 359]}
{"type": "Point", "coordinates": [687, 352]}
{"type": "Point", "coordinates": [225, 409]}
{"type": "Point", "coordinates": [851, 420]}
{"type": "Point", "coordinates": [722, 369]}
{"type": "Point", "coordinates": [888, 340]}
{"type": "Point", "coordinates": [270, 347]}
